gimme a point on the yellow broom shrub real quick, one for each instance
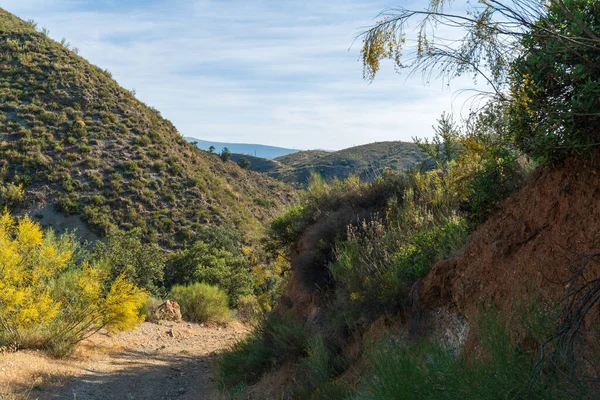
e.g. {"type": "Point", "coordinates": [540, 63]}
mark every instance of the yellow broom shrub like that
{"type": "Point", "coordinates": [44, 294]}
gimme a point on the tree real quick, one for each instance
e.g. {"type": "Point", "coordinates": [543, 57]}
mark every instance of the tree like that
{"type": "Point", "coordinates": [540, 56]}
{"type": "Point", "coordinates": [124, 253]}
{"type": "Point", "coordinates": [213, 265]}
{"type": "Point", "coordinates": [211, 149]}
{"type": "Point", "coordinates": [244, 163]}
{"type": "Point", "coordinates": [225, 154]}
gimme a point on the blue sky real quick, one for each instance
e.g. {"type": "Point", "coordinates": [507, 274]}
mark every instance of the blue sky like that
{"type": "Point", "coordinates": [254, 71]}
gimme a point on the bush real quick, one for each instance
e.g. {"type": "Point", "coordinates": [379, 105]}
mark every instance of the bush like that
{"type": "Point", "coordinates": [378, 263]}
{"type": "Point", "coordinates": [225, 154]}
{"type": "Point", "coordinates": [124, 253]}
{"type": "Point", "coordinates": [12, 195]}
{"type": "Point", "coordinates": [317, 370]}
{"type": "Point", "coordinates": [47, 299]}
{"type": "Point", "coordinates": [555, 84]}
{"type": "Point", "coordinates": [150, 307]}
{"type": "Point", "coordinates": [200, 302]}
{"type": "Point", "coordinates": [211, 264]}
{"type": "Point", "coordinates": [279, 338]}
{"type": "Point", "coordinates": [244, 163]}
{"type": "Point", "coordinates": [499, 176]}
{"type": "Point", "coordinates": [500, 370]}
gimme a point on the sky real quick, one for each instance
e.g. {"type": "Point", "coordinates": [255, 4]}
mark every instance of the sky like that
{"type": "Point", "coordinates": [277, 72]}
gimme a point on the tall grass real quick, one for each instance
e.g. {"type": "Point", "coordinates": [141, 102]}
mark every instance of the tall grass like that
{"type": "Point", "coordinates": [279, 338]}
{"type": "Point", "coordinates": [500, 370]}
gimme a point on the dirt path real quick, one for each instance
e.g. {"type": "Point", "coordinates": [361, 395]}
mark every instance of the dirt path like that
{"type": "Point", "coordinates": [174, 361]}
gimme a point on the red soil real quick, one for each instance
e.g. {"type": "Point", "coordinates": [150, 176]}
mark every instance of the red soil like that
{"type": "Point", "coordinates": [533, 242]}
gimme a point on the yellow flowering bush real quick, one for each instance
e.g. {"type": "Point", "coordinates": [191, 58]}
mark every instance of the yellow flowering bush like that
{"type": "Point", "coordinates": [47, 299]}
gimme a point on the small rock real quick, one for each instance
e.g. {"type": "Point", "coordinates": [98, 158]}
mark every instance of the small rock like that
{"type": "Point", "coordinates": [181, 390]}
{"type": "Point", "coordinates": [168, 311]}
{"type": "Point", "coordinates": [170, 333]}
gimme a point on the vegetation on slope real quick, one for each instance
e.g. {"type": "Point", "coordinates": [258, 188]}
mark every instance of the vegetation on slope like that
{"type": "Point", "coordinates": [359, 250]}
{"type": "Point", "coordinates": [367, 162]}
{"type": "Point", "coordinates": [70, 136]}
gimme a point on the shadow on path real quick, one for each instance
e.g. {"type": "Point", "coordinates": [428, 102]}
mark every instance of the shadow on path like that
{"type": "Point", "coordinates": [134, 375]}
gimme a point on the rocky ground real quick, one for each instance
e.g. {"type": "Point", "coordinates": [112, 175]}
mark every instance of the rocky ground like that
{"type": "Point", "coordinates": [155, 361]}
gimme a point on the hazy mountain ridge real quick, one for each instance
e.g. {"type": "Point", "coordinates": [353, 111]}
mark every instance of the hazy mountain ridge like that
{"type": "Point", "coordinates": [256, 150]}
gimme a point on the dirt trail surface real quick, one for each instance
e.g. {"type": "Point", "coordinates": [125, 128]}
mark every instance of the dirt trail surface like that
{"type": "Point", "coordinates": [170, 361]}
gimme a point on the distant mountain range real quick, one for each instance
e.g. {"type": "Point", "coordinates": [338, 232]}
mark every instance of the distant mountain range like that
{"type": "Point", "coordinates": [256, 150]}
{"type": "Point", "coordinates": [366, 161]}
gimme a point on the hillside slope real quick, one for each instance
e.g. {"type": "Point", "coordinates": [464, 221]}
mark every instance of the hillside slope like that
{"type": "Point", "coordinates": [81, 144]}
{"type": "Point", "coordinates": [366, 161]}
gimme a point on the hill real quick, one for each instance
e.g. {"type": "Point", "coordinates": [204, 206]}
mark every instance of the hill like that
{"type": "Point", "coordinates": [256, 150]}
{"type": "Point", "coordinates": [258, 164]}
{"type": "Point", "coordinates": [78, 150]}
{"type": "Point", "coordinates": [366, 161]}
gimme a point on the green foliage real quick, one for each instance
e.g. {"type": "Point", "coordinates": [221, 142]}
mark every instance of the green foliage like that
{"type": "Point", "coordinates": [200, 302]}
{"type": "Point", "coordinates": [150, 307]}
{"type": "Point", "coordinates": [287, 228]}
{"type": "Point", "coordinates": [500, 370]}
{"type": "Point", "coordinates": [556, 83]}
{"type": "Point", "coordinates": [499, 176]}
{"type": "Point", "coordinates": [377, 264]}
{"type": "Point", "coordinates": [12, 195]}
{"type": "Point", "coordinates": [244, 163]}
{"type": "Point", "coordinates": [214, 264]}
{"type": "Point", "coordinates": [316, 372]}
{"type": "Point", "coordinates": [225, 154]}
{"type": "Point", "coordinates": [124, 253]}
{"type": "Point", "coordinates": [279, 338]}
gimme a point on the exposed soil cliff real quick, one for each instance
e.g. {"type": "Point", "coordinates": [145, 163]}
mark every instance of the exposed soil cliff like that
{"type": "Point", "coordinates": [534, 242]}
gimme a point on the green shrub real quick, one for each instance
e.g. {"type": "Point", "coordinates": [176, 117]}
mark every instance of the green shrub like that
{"type": "Point", "coordinates": [213, 264]}
{"type": "Point", "coordinates": [500, 175]}
{"type": "Point", "coordinates": [279, 338]}
{"type": "Point", "coordinates": [125, 253]}
{"type": "Point", "coordinates": [200, 302]}
{"type": "Point", "coordinates": [12, 194]}
{"type": "Point", "coordinates": [376, 266]}
{"type": "Point", "coordinates": [315, 374]}
{"type": "Point", "coordinates": [500, 370]}
{"type": "Point", "coordinates": [555, 84]}
{"type": "Point", "coordinates": [149, 308]}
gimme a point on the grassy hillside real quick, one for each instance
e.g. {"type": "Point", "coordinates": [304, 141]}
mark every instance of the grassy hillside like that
{"type": "Point", "coordinates": [258, 164]}
{"type": "Point", "coordinates": [366, 161]}
{"type": "Point", "coordinates": [80, 144]}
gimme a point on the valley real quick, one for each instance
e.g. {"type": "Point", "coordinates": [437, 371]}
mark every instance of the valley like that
{"type": "Point", "coordinates": [139, 263]}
